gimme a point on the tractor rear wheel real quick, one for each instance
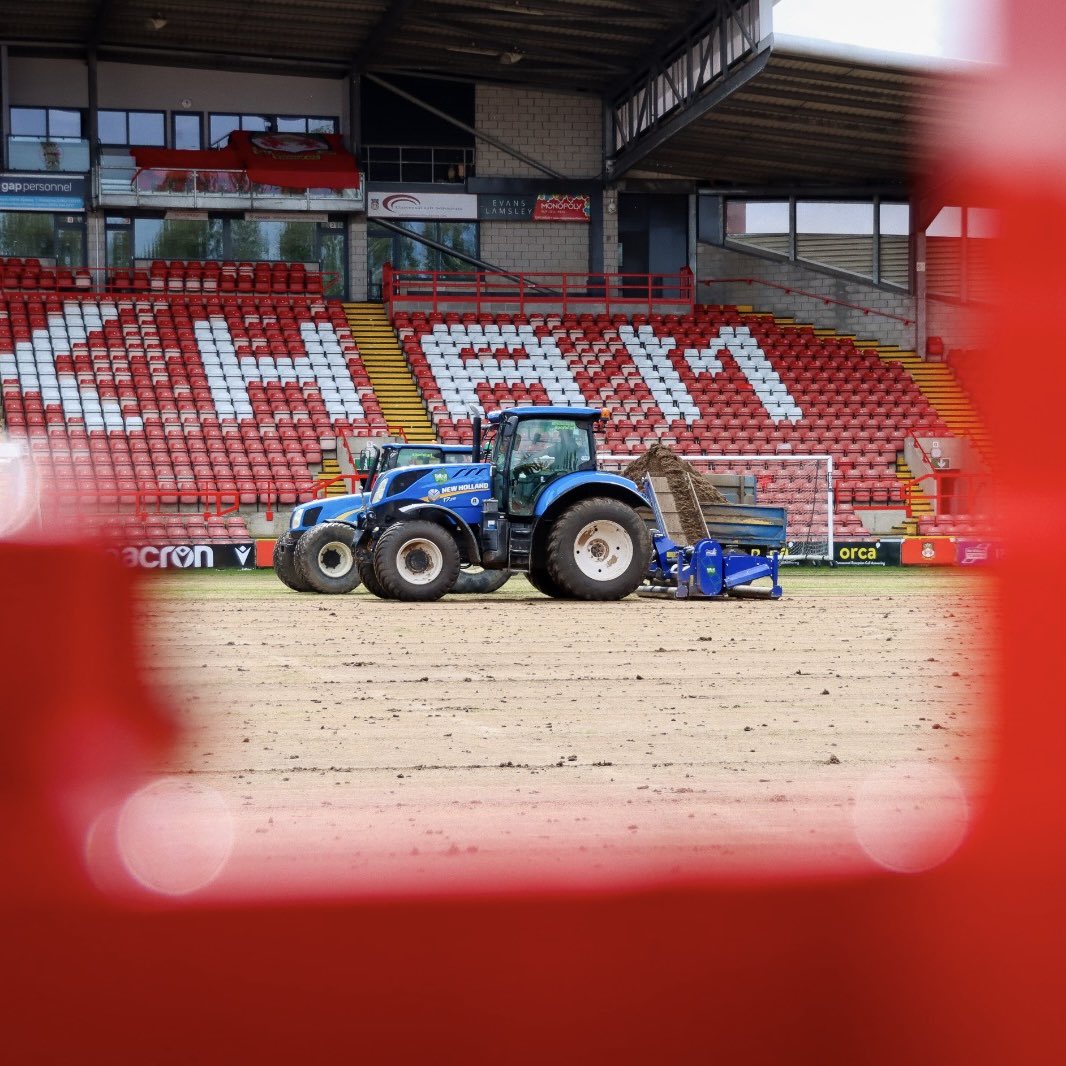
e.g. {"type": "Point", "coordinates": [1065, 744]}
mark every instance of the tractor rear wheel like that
{"type": "Point", "coordinates": [285, 563]}
{"type": "Point", "coordinates": [364, 556]}
{"type": "Point", "coordinates": [416, 561]}
{"type": "Point", "coordinates": [481, 582]}
{"type": "Point", "coordinates": [325, 558]}
{"type": "Point", "coordinates": [542, 581]}
{"type": "Point", "coordinates": [599, 549]}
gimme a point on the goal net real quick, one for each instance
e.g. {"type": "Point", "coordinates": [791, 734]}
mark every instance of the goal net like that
{"type": "Point", "coordinates": [802, 484]}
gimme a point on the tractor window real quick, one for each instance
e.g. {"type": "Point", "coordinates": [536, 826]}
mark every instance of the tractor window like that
{"type": "Point", "coordinates": [543, 449]}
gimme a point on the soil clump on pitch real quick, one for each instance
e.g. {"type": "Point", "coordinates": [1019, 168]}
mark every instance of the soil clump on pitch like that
{"type": "Point", "coordinates": [690, 488]}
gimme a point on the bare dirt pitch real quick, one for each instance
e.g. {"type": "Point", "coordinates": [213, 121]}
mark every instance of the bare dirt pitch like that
{"type": "Point", "coordinates": [356, 744]}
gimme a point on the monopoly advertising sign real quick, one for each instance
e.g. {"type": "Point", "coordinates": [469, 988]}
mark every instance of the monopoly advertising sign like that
{"type": "Point", "coordinates": [441, 206]}
{"type": "Point", "coordinates": [541, 207]}
{"type": "Point", "coordinates": [187, 556]}
{"type": "Point", "coordinates": [866, 552]}
{"type": "Point", "coordinates": [41, 192]}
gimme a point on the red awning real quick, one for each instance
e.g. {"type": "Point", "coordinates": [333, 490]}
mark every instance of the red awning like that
{"type": "Point", "coordinates": [182, 159]}
{"type": "Point", "coordinates": [296, 160]}
{"type": "Point", "coordinates": [289, 160]}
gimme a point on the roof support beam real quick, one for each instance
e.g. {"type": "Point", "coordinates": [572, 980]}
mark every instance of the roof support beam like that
{"type": "Point", "coordinates": [685, 116]}
{"type": "Point", "coordinates": [723, 46]}
{"type": "Point", "coordinates": [389, 21]}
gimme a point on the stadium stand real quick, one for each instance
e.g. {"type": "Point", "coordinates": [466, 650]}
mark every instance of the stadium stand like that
{"type": "Point", "coordinates": [217, 386]}
{"type": "Point", "coordinates": [715, 382]}
{"type": "Point", "coordinates": [178, 400]}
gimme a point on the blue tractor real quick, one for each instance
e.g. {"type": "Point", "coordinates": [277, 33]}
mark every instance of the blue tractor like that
{"type": "Point", "coordinates": [315, 553]}
{"type": "Point", "coordinates": [538, 505]}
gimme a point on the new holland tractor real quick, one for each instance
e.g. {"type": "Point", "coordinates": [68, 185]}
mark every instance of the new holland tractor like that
{"type": "Point", "coordinates": [326, 563]}
{"type": "Point", "coordinates": [537, 505]}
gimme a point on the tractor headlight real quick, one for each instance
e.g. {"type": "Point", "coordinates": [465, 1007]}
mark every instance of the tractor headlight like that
{"type": "Point", "coordinates": [297, 518]}
{"type": "Point", "coordinates": [380, 489]}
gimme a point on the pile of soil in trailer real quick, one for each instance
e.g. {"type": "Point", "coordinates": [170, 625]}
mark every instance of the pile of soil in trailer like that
{"type": "Point", "coordinates": [690, 488]}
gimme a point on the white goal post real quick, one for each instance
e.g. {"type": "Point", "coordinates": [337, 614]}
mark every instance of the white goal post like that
{"type": "Point", "coordinates": [802, 484]}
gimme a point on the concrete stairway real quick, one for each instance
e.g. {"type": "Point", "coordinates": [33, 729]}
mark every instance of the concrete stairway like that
{"type": "Point", "coordinates": [941, 388]}
{"type": "Point", "coordinates": [390, 376]}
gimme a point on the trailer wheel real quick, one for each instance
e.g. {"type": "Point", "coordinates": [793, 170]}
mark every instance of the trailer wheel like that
{"type": "Point", "coordinates": [542, 581]}
{"type": "Point", "coordinates": [599, 549]}
{"type": "Point", "coordinates": [480, 582]}
{"type": "Point", "coordinates": [364, 557]}
{"type": "Point", "coordinates": [325, 558]}
{"type": "Point", "coordinates": [285, 562]}
{"type": "Point", "coordinates": [416, 561]}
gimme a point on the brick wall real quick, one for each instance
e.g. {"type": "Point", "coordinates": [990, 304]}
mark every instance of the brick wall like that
{"type": "Point", "coordinates": [535, 246]}
{"type": "Point", "coordinates": [713, 261]}
{"type": "Point", "coordinates": [564, 131]}
{"type": "Point", "coordinates": [357, 265]}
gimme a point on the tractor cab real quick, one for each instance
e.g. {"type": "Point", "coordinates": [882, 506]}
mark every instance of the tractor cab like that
{"type": "Point", "coordinates": [376, 459]}
{"type": "Point", "coordinates": [534, 447]}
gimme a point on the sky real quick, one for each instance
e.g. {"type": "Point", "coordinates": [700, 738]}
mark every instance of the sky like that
{"type": "Point", "coordinates": [949, 29]}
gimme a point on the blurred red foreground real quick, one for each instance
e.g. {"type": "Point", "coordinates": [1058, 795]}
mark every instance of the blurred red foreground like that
{"type": "Point", "coordinates": [961, 965]}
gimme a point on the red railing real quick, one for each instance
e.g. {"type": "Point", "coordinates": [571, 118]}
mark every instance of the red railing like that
{"type": "Point", "coordinates": [792, 290]}
{"type": "Point", "coordinates": [486, 292]}
{"type": "Point", "coordinates": [970, 493]}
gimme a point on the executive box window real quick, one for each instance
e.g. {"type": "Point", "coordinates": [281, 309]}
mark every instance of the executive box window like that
{"type": "Point", "coordinates": [132, 128]}
{"type": "Point", "coordinates": [408, 253]}
{"type": "Point", "coordinates": [229, 238]}
{"type": "Point", "coordinates": [43, 235]}
{"type": "Point", "coordinates": [222, 125]}
{"type": "Point", "coordinates": [47, 122]}
{"type": "Point", "coordinates": [188, 130]}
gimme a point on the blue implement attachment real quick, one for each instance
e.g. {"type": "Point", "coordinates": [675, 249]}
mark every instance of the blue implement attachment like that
{"type": "Point", "coordinates": [707, 569]}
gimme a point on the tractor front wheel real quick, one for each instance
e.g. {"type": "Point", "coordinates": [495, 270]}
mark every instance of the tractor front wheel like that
{"type": "Point", "coordinates": [416, 561]}
{"type": "Point", "coordinates": [285, 563]}
{"type": "Point", "coordinates": [325, 558]}
{"type": "Point", "coordinates": [599, 549]}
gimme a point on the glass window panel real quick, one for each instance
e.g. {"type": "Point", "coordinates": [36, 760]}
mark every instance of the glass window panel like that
{"type": "Point", "coordinates": [332, 246]}
{"type": "Point", "coordinates": [296, 242]}
{"type": "Point", "coordinates": [255, 123]}
{"type": "Point", "coordinates": [64, 123]}
{"type": "Point", "coordinates": [836, 235]}
{"type": "Point", "coordinates": [321, 125]}
{"type": "Point", "coordinates": [28, 122]}
{"type": "Point", "coordinates": [147, 127]}
{"type": "Point", "coordinates": [759, 224]}
{"type": "Point", "coordinates": [895, 219]}
{"type": "Point", "coordinates": [112, 126]}
{"type": "Point", "coordinates": [187, 131]}
{"type": "Point", "coordinates": [379, 252]}
{"type": "Point", "coordinates": [948, 223]}
{"type": "Point", "coordinates": [120, 247]}
{"type": "Point", "coordinates": [70, 247]}
{"type": "Point", "coordinates": [178, 238]}
{"type": "Point", "coordinates": [222, 126]}
{"type": "Point", "coordinates": [287, 124]}
{"type": "Point", "coordinates": [27, 234]}
{"type": "Point", "coordinates": [843, 218]}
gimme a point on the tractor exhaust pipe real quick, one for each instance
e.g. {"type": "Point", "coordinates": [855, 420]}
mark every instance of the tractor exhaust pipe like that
{"type": "Point", "coordinates": [476, 424]}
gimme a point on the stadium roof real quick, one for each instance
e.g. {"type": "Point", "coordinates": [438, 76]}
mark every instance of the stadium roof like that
{"type": "Point", "coordinates": [802, 118]}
